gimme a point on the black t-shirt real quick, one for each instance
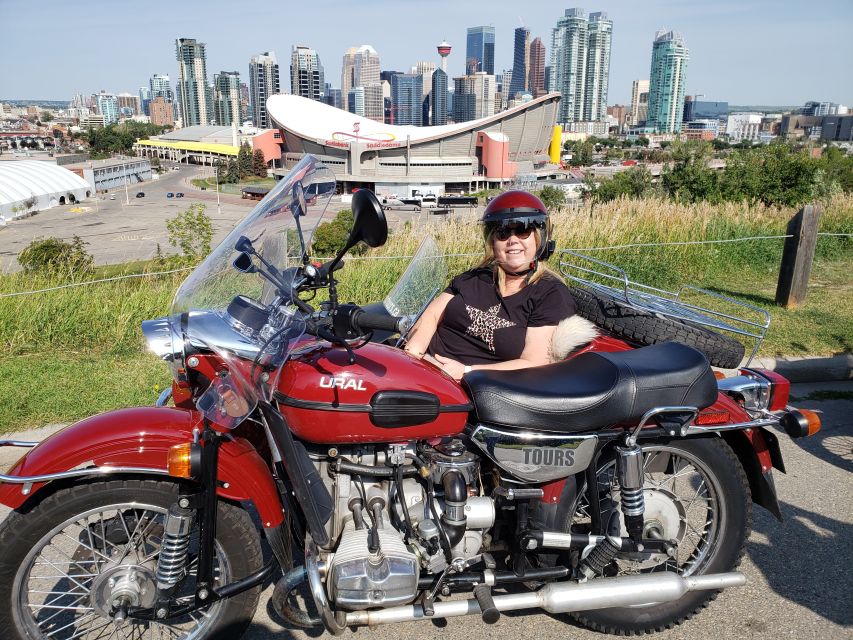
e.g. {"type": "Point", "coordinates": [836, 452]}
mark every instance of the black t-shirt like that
{"type": "Point", "coordinates": [480, 326]}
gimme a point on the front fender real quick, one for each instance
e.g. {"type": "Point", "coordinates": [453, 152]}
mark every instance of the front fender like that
{"type": "Point", "coordinates": [141, 437]}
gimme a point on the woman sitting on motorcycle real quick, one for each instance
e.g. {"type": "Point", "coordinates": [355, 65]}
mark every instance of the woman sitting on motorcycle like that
{"type": "Point", "coordinates": [502, 314]}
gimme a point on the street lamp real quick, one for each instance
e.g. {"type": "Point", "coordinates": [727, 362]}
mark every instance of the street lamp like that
{"type": "Point", "coordinates": [218, 208]}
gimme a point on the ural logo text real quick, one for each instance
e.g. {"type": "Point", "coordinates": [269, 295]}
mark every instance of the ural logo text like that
{"type": "Point", "coordinates": [549, 457]}
{"type": "Point", "coordinates": [341, 383]}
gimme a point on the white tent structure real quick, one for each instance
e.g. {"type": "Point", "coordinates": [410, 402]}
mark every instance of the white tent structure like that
{"type": "Point", "coordinates": [33, 185]}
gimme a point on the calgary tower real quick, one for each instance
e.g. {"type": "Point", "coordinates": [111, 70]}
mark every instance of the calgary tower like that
{"type": "Point", "coordinates": [444, 51]}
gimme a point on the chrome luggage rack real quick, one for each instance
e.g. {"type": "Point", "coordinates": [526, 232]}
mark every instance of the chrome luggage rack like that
{"type": "Point", "coordinates": [610, 280]}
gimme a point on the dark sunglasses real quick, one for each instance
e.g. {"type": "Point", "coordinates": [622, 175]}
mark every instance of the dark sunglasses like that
{"type": "Point", "coordinates": [520, 230]}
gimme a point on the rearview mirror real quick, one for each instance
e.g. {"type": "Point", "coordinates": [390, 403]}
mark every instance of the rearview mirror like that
{"type": "Point", "coordinates": [243, 263]}
{"type": "Point", "coordinates": [369, 224]}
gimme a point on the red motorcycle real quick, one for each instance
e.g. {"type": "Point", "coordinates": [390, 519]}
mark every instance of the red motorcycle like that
{"type": "Point", "coordinates": [615, 485]}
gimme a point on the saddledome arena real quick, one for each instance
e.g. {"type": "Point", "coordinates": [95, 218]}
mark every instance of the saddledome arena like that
{"type": "Point", "coordinates": [391, 159]}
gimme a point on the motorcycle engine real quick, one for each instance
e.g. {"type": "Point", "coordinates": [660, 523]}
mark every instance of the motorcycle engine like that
{"type": "Point", "coordinates": [373, 565]}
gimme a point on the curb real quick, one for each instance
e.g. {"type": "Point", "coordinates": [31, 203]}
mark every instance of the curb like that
{"type": "Point", "coordinates": [810, 369]}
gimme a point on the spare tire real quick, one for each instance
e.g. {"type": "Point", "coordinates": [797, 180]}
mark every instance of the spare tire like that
{"type": "Point", "coordinates": [627, 322]}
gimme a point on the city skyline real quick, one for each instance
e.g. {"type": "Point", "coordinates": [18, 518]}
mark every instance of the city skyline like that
{"type": "Point", "coordinates": [730, 44]}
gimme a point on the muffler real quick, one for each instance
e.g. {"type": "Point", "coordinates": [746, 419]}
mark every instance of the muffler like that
{"type": "Point", "coordinates": [564, 597]}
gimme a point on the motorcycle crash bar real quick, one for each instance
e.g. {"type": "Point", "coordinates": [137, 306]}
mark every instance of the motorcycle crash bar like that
{"type": "Point", "coordinates": [563, 597]}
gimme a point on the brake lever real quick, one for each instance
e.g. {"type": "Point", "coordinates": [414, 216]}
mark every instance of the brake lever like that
{"type": "Point", "coordinates": [331, 337]}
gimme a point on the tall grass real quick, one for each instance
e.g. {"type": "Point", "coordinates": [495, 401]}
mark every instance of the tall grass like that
{"type": "Point", "coordinates": [105, 317]}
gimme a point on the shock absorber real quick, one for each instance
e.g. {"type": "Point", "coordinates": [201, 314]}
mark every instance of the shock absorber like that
{"type": "Point", "coordinates": [171, 565]}
{"type": "Point", "coordinates": [629, 468]}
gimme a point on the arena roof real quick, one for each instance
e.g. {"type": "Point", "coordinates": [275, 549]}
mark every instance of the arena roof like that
{"type": "Point", "coordinates": [204, 147]}
{"type": "Point", "coordinates": [314, 120]}
{"type": "Point", "coordinates": [197, 133]}
{"type": "Point", "coordinates": [46, 182]}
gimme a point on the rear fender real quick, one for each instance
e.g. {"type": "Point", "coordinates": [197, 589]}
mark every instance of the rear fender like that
{"type": "Point", "coordinates": [141, 437]}
{"type": "Point", "coordinates": [758, 452]}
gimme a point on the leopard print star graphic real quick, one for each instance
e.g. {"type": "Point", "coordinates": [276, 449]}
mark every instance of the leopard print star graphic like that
{"type": "Point", "coordinates": [484, 323]}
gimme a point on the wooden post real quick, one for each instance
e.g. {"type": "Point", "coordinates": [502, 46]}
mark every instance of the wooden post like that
{"type": "Point", "coordinates": [797, 257]}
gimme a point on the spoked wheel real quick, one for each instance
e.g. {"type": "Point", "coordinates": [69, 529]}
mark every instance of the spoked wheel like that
{"type": "Point", "coordinates": [71, 562]}
{"type": "Point", "coordinates": [696, 494]}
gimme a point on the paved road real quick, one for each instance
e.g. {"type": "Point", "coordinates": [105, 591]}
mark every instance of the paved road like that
{"type": "Point", "coordinates": [800, 583]}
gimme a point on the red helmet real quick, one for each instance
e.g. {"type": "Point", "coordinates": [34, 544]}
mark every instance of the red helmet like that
{"type": "Point", "coordinates": [521, 210]}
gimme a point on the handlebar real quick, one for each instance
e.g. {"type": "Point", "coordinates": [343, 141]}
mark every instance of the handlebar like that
{"type": "Point", "coordinates": [364, 321]}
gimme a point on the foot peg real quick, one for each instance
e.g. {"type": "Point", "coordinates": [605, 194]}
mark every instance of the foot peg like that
{"type": "Point", "coordinates": [490, 613]}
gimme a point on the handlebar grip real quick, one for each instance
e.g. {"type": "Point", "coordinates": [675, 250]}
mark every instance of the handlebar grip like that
{"type": "Point", "coordinates": [364, 321]}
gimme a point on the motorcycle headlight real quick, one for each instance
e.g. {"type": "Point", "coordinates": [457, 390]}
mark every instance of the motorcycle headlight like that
{"type": "Point", "coordinates": [166, 342]}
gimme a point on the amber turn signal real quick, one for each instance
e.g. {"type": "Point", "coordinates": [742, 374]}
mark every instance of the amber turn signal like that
{"type": "Point", "coordinates": [813, 421]}
{"type": "Point", "coordinates": [800, 423]}
{"type": "Point", "coordinates": [183, 460]}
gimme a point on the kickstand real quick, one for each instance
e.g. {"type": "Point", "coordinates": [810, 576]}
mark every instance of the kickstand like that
{"type": "Point", "coordinates": [429, 597]}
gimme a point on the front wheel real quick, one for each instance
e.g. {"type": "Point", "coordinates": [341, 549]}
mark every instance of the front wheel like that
{"type": "Point", "coordinates": [66, 559]}
{"type": "Point", "coordinates": [696, 493]}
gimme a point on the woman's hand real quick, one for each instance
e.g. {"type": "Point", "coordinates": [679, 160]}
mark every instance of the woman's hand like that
{"type": "Point", "coordinates": [453, 368]}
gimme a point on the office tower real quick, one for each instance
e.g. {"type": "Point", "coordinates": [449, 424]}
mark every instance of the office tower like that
{"type": "Point", "coordinates": [129, 103]}
{"type": "Point", "coordinates": [161, 112]}
{"type": "Point", "coordinates": [474, 97]}
{"type": "Point", "coordinates": [161, 86]}
{"type": "Point", "coordinates": [144, 99]}
{"type": "Point", "coordinates": [366, 71]}
{"type": "Point", "coordinates": [107, 107]}
{"type": "Point", "coordinates": [666, 82]}
{"type": "Point", "coordinates": [438, 98]}
{"type": "Point", "coordinates": [425, 70]}
{"type": "Point", "coordinates": [639, 102]}
{"type": "Point", "coordinates": [599, 37]}
{"type": "Point", "coordinates": [704, 109]}
{"type": "Point", "coordinates": [568, 63]}
{"type": "Point", "coordinates": [520, 63]}
{"type": "Point", "coordinates": [536, 71]}
{"type": "Point", "coordinates": [263, 83]}
{"type": "Point", "coordinates": [333, 97]}
{"type": "Point", "coordinates": [226, 92]}
{"type": "Point", "coordinates": [360, 68]}
{"type": "Point", "coordinates": [407, 99]}
{"type": "Point", "coordinates": [244, 102]}
{"type": "Point", "coordinates": [195, 92]}
{"type": "Point", "coordinates": [480, 50]}
{"type": "Point", "coordinates": [348, 72]}
{"type": "Point", "coordinates": [306, 73]}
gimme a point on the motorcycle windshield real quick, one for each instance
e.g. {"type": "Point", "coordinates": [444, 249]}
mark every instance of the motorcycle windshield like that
{"type": "Point", "coordinates": [297, 203]}
{"type": "Point", "coordinates": [422, 280]}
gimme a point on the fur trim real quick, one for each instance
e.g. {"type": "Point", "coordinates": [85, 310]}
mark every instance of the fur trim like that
{"type": "Point", "coordinates": [571, 333]}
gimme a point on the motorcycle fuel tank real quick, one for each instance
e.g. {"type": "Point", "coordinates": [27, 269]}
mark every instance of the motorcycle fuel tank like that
{"type": "Point", "coordinates": [386, 395]}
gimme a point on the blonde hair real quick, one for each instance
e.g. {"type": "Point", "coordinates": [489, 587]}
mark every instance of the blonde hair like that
{"type": "Point", "coordinates": [488, 261]}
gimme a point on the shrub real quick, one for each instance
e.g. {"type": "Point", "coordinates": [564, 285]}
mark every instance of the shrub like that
{"type": "Point", "coordinates": [55, 255]}
{"type": "Point", "coordinates": [330, 237]}
{"type": "Point", "coordinates": [191, 231]}
{"type": "Point", "coordinates": [552, 197]}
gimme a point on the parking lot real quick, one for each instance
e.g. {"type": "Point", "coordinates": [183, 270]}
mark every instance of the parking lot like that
{"type": "Point", "coordinates": [119, 227]}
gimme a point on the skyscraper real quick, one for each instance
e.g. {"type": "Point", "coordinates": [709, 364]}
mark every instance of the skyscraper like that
{"type": "Point", "coordinates": [568, 63]}
{"type": "Point", "coordinates": [536, 72]}
{"type": "Point", "coordinates": [348, 72]}
{"type": "Point", "coordinates": [599, 36]}
{"type": "Point", "coordinates": [425, 70]}
{"type": "Point", "coordinates": [226, 97]}
{"type": "Point", "coordinates": [306, 74]}
{"type": "Point", "coordinates": [366, 66]}
{"type": "Point", "coordinates": [192, 71]}
{"type": "Point", "coordinates": [263, 83]}
{"type": "Point", "coordinates": [407, 99]}
{"type": "Point", "coordinates": [639, 102]}
{"type": "Point", "coordinates": [520, 62]}
{"type": "Point", "coordinates": [666, 82]}
{"type": "Point", "coordinates": [438, 98]}
{"type": "Point", "coordinates": [580, 65]}
{"type": "Point", "coordinates": [474, 96]}
{"type": "Point", "coordinates": [480, 50]}
{"type": "Point", "coordinates": [108, 107]}
{"type": "Point", "coordinates": [360, 68]}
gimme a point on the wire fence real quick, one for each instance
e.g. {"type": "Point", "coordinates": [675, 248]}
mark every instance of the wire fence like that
{"type": "Point", "coordinates": [404, 257]}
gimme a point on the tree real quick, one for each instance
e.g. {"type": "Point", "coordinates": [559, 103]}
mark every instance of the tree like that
{"type": "Point", "coordinates": [47, 255]}
{"type": "Point", "coordinates": [259, 166]}
{"type": "Point", "coordinates": [643, 141]}
{"type": "Point", "coordinates": [689, 179]}
{"type": "Point", "coordinates": [635, 182]}
{"type": "Point", "coordinates": [330, 237]}
{"type": "Point", "coordinates": [232, 173]}
{"type": "Point", "coordinates": [552, 197]}
{"type": "Point", "coordinates": [244, 161]}
{"type": "Point", "coordinates": [582, 153]}
{"type": "Point", "coordinates": [45, 116]}
{"type": "Point", "coordinates": [191, 231]}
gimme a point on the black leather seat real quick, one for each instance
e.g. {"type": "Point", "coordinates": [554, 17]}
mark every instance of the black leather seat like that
{"type": "Point", "coordinates": [593, 390]}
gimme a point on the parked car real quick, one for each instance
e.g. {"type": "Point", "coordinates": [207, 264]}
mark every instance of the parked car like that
{"type": "Point", "coordinates": [179, 195]}
{"type": "Point", "coordinates": [141, 194]}
{"type": "Point", "coordinates": [112, 196]}
{"type": "Point", "coordinates": [170, 195]}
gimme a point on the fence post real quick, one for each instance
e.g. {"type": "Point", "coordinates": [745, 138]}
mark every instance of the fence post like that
{"type": "Point", "coordinates": [797, 257]}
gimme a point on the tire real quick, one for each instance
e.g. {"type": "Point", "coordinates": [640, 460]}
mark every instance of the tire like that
{"type": "Point", "coordinates": [625, 321]}
{"type": "Point", "coordinates": [81, 531]}
{"type": "Point", "coordinates": [729, 518]}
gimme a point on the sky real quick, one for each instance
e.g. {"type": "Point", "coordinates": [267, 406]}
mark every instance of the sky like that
{"type": "Point", "coordinates": [749, 52]}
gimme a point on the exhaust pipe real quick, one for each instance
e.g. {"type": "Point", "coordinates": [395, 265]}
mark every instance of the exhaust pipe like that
{"type": "Point", "coordinates": [564, 597]}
